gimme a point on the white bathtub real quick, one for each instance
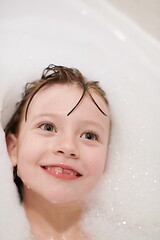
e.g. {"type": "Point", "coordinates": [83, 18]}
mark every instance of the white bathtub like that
{"type": "Point", "coordinates": [108, 47]}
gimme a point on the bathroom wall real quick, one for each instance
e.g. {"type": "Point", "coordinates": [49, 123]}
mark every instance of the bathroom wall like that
{"type": "Point", "coordinates": [146, 13]}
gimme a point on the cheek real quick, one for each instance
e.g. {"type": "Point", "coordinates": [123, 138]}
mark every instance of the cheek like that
{"type": "Point", "coordinates": [28, 155]}
{"type": "Point", "coordinates": [96, 168]}
{"type": "Point", "coordinates": [97, 163]}
{"type": "Point", "coordinates": [29, 147]}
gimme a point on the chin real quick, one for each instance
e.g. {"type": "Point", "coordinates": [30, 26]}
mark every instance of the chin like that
{"type": "Point", "coordinates": [59, 196]}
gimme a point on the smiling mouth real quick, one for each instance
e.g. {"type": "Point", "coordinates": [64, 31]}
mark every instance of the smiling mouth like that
{"type": "Point", "coordinates": [65, 173]}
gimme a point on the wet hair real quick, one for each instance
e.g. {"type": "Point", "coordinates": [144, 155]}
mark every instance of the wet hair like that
{"type": "Point", "coordinates": [51, 75]}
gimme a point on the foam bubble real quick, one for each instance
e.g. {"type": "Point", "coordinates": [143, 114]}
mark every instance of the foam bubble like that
{"type": "Point", "coordinates": [107, 47]}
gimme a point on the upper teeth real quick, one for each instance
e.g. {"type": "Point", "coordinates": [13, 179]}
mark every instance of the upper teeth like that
{"type": "Point", "coordinates": [56, 169]}
{"type": "Point", "coordinates": [61, 170]}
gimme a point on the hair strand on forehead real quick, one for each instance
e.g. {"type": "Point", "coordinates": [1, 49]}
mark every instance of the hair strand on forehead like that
{"type": "Point", "coordinates": [84, 91]}
{"type": "Point", "coordinates": [96, 103]}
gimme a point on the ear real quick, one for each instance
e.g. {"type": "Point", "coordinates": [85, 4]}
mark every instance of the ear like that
{"type": "Point", "coordinates": [11, 141]}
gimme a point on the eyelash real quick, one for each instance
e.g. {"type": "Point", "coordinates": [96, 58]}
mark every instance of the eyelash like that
{"type": "Point", "coordinates": [95, 136]}
{"type": "Point", "coordinates": [49, 124]}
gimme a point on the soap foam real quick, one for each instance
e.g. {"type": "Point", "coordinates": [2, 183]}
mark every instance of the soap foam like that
{"type": "Point", "coordinates": [126, 204]}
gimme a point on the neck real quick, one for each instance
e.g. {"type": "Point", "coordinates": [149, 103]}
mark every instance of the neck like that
{"type": "Point", "coordinates": [52, 221]}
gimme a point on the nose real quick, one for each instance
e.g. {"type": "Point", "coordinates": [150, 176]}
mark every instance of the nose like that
{"type": "Point", "coordinates": [67, 147]}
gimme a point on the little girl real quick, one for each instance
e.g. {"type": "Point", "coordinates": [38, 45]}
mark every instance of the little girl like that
{"type": "Point", "coordinates": [57, 141]}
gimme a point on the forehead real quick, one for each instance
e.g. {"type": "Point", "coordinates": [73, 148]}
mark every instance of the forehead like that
{"type": "Point", "coordinates": [61, 98]}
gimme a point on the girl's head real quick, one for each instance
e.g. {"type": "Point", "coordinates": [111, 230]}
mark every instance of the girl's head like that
{"type": "Point", "coordinates": [58, 137]}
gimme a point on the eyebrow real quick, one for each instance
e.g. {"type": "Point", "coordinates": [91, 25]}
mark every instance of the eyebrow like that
{"type": "Point", "coordinates": [39, 115]}
{"type": "Point", "coordinates": [87, 122]}
{"type": "Point", "coordinates": [93, 123]}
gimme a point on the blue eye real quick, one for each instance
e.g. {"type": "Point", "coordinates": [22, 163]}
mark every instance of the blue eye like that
{"type": "Point", "coordinates": [90, 136]}
{"type": "Point", "coordinates": [47, 127]}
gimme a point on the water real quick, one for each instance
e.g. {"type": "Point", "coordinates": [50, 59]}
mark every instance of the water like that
{"type": "Point", "coordinates": [105, 46]}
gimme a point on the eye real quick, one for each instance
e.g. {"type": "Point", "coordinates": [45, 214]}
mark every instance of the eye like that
{"type": "Point", "coordinates": [90, 136]}
{"type": "Point", "coordinates": [47, 127]}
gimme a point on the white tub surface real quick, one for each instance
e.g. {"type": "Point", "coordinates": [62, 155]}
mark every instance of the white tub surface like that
{"type": "Point", "coordinates": [106, 46]}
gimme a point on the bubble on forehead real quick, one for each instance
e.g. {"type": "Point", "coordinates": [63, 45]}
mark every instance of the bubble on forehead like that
{"type": "Point", "coordinates": [85, 89]}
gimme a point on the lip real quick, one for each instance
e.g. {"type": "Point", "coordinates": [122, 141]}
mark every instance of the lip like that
{"type": "Point", "coordinates": [61, 171]}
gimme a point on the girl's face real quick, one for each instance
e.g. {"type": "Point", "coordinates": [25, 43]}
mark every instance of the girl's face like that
{"type": "Point", "coordinates": [61, 158]}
